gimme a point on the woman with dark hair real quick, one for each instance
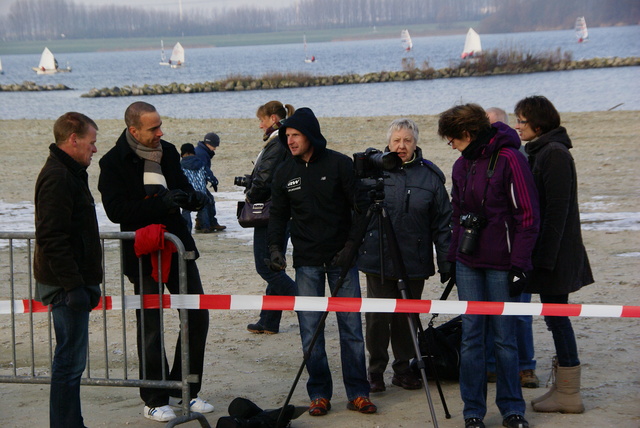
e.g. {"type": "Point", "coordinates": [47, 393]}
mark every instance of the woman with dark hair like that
{"type": "Point", "coordinates": [271, 115]}
{"type": "Point", "coordinates": [495, 225]}
{"type": "Point", "coordinates": [560, 262]}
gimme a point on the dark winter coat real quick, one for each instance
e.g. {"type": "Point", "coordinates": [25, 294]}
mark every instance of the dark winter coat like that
{"type": "Point", "coordinates": [510, 208]}
{"type": "Point", "coordinates": [126, 202]}
{"type": "Point", "coordinates": [271, 156]}
{"type": "Point", "coordinates": [560, 260]}
{"type": "Point", "coordinates": [316, 195]}
{"type": "Point", "coordinates": [205, 154]}
{"type": "Point", "coordinates": [68, 253]}
{"type": "Point", "coordinates": [420, 212]}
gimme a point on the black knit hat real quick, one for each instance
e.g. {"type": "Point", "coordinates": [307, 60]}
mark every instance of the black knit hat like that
{"type": "Point", "coordinates": [306, 122]}
{"type": "Point", "coordinates": [187, 148]}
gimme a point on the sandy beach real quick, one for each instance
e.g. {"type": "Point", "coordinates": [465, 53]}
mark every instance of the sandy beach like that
{"type": "Point", "coordinates": [263, 367]}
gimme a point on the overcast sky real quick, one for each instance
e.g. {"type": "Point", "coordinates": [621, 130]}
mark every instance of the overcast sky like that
{"type": "Point", "coordinates": [171, 5]}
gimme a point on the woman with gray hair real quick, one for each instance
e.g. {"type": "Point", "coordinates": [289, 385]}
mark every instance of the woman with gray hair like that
{"type": "Point", "coordinates": [418, 205]}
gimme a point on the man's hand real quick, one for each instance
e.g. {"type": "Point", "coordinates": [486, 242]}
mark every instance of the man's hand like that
{"type": "Point", "coordinates": [277, 261]}
{"type": "Point", "coordinates": [196, 201]}
{"type": "Point", "coordinates": [342, 257]}
{"type": "Point", "coordinates": [175, 198]}
{"type": "Point", "coordinates": [78, 299]}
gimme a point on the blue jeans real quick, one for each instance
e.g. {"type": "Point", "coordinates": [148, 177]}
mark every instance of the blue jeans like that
{"type": "Point", "coordinates": [207, 215]}
{"type": "Point", "coordinates": [524, 336]}
{"type": "Point", "coordinates": [563, 337]}
{"type": "Point", "coordinates": [492, 286]}
{"type": "Point", "coordinates": [311, 282]}
{"type": "Point", "coordinates": [278, 283]}
{"type": "Point", "coordinates": [69, 361]}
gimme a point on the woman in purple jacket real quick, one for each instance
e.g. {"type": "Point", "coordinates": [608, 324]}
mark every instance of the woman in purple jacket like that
{"type": "Point", "coordinates": [495, 225]}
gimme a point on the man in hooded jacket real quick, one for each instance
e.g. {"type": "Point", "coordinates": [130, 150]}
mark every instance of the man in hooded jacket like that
{"type": "Point", "coordinates": [315, 189]}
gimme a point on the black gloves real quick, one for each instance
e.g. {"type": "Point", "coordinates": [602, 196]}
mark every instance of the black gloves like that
{"type": "Point", "coordinates": [277, 262]}
{"type": "Point", "coordinates": [175, 198]}
{"type": "Point", "coordinates": [195, 202]}
{"type": "Point", "coordinates": [518, 280]}
{"type": "Point", "coordinates": [78, 299]}
{"type": "Point", "coordinates": [451, 274]}
{"type": "Point", "coordinates": [341, 258]}
{"type": "Point", "coordinates": [215, 184]}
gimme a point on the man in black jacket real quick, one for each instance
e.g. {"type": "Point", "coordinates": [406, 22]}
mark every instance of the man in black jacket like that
{"type": "Point", "coordinates": [315, 188]}
{"type": "Point", "coordinates": [141, 183]}
{"type": "Point", "coordinates": [68, 258]}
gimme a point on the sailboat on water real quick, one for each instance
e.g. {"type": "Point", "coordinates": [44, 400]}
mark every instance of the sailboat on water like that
{"type": "Point", "coordinates": [48, 64]}
{"type": "Point", "coordinates": [1, 69]}
{"type": "Point", "coordinates": [307, 58]}
{"type": "Point", "coordinates": [405, 38]}
{"type": "Point", "coordinates": [581, 30]}
{"type": "Point", "coordinates": [472, 45]}
{"type": "Point", "coordinates": [177, 56]}
{"type": "Point", "coordinates": [163, 57]}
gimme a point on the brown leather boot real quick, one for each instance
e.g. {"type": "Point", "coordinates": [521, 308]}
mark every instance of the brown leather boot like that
{"type": "Point", "coordinates": [376, 382]}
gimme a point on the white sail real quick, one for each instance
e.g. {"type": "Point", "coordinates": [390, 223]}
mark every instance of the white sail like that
{"type": "Point", "coordinates": [177, 56]}
{"type": "Point", "coordinates": [163, 57]}
{"type": "Point", "coordinates": [47, 61]}
{"type": "Point", "coordinates": [581, 29]}
{"type": "Point", "coordinates": [472, 45]}
{"type": "Point", "coordinates": [407, 44]}
{"type": "Point", "coordinates": [1, 69]}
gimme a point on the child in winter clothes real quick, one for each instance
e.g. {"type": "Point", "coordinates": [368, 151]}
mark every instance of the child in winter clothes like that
{"type": "Point", "coordinates": [195, 172]}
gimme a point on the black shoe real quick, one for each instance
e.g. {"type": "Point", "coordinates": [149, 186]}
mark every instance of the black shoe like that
{"type": "Point", "coordinates": [259, 329]}
{"type": "Point", "coordinates": [376, 382]}
{"type": "Point", "coordinates": [473, 423]}
{"type": "Point", "coordinates": [515, 421]}
{"type": "Point", "coordinates": [406, 381]}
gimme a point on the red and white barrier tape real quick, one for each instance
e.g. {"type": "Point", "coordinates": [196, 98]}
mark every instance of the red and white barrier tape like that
{"type": "Point", "coordinates": [342, 304]}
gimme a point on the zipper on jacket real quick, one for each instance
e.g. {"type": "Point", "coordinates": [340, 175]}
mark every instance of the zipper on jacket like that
{"type": "Point", "coordinates": [406, 202]}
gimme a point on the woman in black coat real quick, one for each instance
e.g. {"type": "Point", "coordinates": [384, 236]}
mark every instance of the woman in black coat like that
{"type": "Point", "coordinates": [560, 261]}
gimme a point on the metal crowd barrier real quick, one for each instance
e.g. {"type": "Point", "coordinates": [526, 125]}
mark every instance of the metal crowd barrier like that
{"type": "Point", "coordinates": [29, 361]}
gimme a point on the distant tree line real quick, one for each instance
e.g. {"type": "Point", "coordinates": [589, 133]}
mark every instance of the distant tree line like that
{"type": "Point", "coordinates": [55, 19]}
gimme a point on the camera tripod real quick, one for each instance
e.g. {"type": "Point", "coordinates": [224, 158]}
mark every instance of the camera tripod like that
{"type": "Point", "coordinates": [385, 227]}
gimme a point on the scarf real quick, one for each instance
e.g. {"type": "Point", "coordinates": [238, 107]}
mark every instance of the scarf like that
{"type": "Point", "coordinates": [273, 128]}
{"type": "Point", "coordinates": [153, 179]}
{"type": "Point", "coordinates": [476, 147]}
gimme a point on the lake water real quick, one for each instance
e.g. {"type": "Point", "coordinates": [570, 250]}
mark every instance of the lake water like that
{"type": "Point", "coordinates": [579, 90]}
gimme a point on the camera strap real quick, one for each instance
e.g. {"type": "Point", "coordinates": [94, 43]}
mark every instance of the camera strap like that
{"type": "Point", "coordinates": [490, 170]}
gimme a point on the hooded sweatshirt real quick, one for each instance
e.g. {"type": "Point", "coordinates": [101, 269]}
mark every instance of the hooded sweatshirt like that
{"type": "Point", "coordinates": [317, 195]}
{"type": "Point", "coordinates": [510, 203]}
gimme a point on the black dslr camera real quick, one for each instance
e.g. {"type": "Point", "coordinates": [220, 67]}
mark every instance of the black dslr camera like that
{"type": "Point", "coordinates": [472, 224]}
{"type": "Point", "coordinates": [244, 181]}
{"type": "Point", "coordinates": [372, 162]}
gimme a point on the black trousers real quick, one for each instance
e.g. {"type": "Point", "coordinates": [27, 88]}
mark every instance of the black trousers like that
{"type": "Point", "coordinates": [148, 338]}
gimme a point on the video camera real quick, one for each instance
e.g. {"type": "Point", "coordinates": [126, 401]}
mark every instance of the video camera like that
{"type": "Point", "coordinates": [244, 181]}
{"type": "Point", "coordinates": [372, 162]}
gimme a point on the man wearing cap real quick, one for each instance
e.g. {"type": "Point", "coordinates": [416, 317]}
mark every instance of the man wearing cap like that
{"type": "Point", "coordinates": [315, 188]}
{"type": "Point", "coordinates": [205, 150]}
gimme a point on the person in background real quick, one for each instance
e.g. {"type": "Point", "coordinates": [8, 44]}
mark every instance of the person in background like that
{"type": "Point", "coordinates": [142, 184]}
{"type": "Point", "coordinates": [420, 212]}
{"type": "Point", "coordinates": [67, 262]}
{"type": "Point", "coordinates": [560, 262]}
{"type": "Point", "coordinates": [197, 175]}
{"type": "Point", "coordinates": [524, 323]}
{"type": "Point", "coordinates": [271, 115]}
{"type": "Point", "coordinates": [495, 224]}
{"type": "Point", "coordinates": [205, 151]}
{"type": "Point", "coordinates": [314, 189]}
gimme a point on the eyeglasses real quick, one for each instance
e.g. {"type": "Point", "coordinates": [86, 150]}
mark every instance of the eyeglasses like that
{"type": "Point", "coordinates": [450, 142]}
{"type": "Point", "coordinates": [522, 122]}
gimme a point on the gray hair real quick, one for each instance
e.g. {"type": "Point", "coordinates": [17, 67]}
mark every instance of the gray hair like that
{"type": "Point", "coordinates": [403, 123]}
{"type": "Point", "coordinates": [496, 114]}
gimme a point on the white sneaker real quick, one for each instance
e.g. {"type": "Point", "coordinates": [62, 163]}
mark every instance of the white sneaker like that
{"type": "Point", "coordinates": [159, 414]}
{"type": "Point", "coordinates": [196, 405]}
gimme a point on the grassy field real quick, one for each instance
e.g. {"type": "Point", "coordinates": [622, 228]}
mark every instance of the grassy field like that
{"type": "Point", "coordinates": [283, 37]}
